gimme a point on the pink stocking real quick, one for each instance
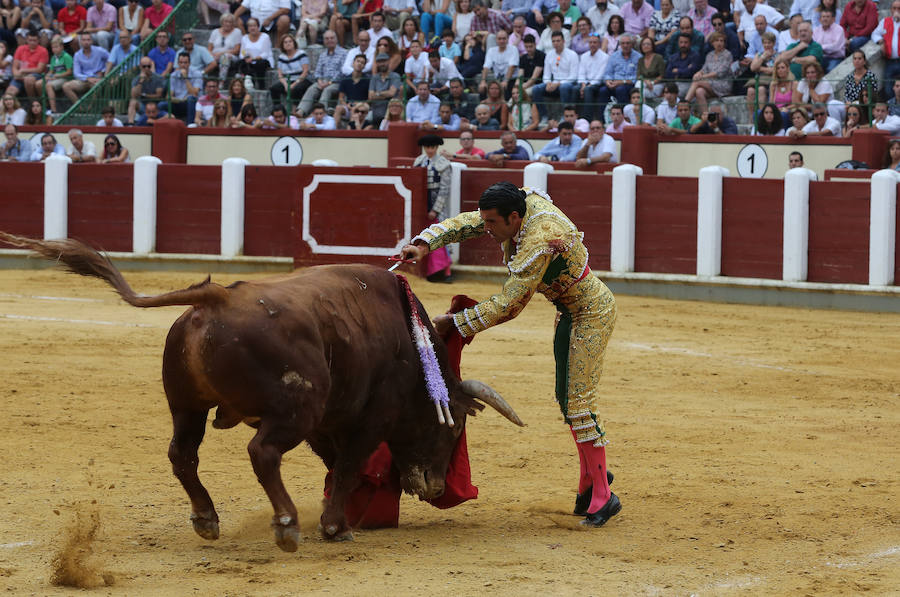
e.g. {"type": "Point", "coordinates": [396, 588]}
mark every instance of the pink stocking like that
{"type": "Point", "coordinates": [595, 460]}
{"type": "Point", "coordinates": [584, 480]}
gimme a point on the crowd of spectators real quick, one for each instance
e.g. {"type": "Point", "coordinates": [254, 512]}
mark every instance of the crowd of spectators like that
{"type": "Point", "coordinates": [467, 65]}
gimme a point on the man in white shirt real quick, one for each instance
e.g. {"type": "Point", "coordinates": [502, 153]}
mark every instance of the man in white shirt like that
{"type": "Point", "coordinates": [500, 63]}
{"type": "Point", "coordinates": [318, 120]}
{"type": "Point", "coordinates": [271, 14]}
{"type": "Point", "coordinates": [883, 120]}
{"type": "Point", "coordinates": [599, 147]}
{"type": "Point", "coordinates": [591, 67]}
{"type": "Point", "coordinates": [424, 107]}
{"type": "Point", "coordinates": [667, 110]}
{"type": "Point", "coordinates": [560, 76]}
{"type": "Point", "coordinates": [599, 15]}
{"type": "Point", "coordinates": [887, 36]}
{"type": "Point", "coordinates": [366, 48]}
{"type": "Point", "coordinates": [831, 37]}
{"type": "Point", "coordinates": [377, 30]}
{"type": "Point", "coordinates": [397, 11]}
{"type": "Point", "coordinates": [821, 125]}
{"type": "Point", "coordinates": [81, 150]}
{"type": "Point", "coordinates": [753, 8]}
{"type": "Point", "coordinates": [790, 35]}
{"type": "Point", "coordinates": [754, 40]}
{"type": "Point", "coordinates": [416, 68]}
{"type": "Point", "coordinates": [441, 71]}
{"type": "Point", "coordinates": [805, 8]}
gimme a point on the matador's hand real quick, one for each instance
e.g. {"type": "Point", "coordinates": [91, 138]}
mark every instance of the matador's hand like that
{"type": "Point", "coordinates": [442, 323]}
{"type": "Point", "coordinates": [414, 252]}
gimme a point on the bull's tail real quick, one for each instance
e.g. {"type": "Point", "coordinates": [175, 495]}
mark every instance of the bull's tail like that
{"type": "Point", "coordinates": [81, 259]}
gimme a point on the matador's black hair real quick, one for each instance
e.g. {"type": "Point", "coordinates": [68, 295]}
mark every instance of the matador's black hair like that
{"type": "Point", "coordinates": [505, 197]}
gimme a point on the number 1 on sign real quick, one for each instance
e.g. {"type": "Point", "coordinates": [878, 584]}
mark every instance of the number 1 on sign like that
{"type": "Point", "coordinates": [752, 161]}
{"type": "Point", "coordinates": [286, 151]}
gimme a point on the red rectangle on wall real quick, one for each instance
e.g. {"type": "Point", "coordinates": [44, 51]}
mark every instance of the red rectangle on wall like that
{"type": "Point", "coordinates": [587, 200]}
{"type": "Point", "coordinates": [22, 199]}
{"type": "Point", "coordinates": [484, 250]}
{"type": "Point", "coordinates": [839, 232]}
{"type": "Point", "coordinates": [101, 205]}
{"type": "Point", "coordinates": [189, 209]}
{"type": "Point", "coordinates": [752, 228]}
{"type": "Point", "coordinates": [666, 225]}
{"type": "Point", "coordinates": [271, 197]}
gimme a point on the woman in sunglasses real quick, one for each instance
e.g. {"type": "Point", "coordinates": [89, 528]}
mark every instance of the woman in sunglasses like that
{"type": "Point", "coordinates": [358, 114]}
{"type": "Point", "coordinates": [113, 152]}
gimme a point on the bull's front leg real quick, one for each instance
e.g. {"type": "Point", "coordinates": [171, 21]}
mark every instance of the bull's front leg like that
{"type": "Point", "coordinates": [189, 428]}
{"type": "Point", "coordinates": [271, 441]}
{"type": "Point", "coordinates": [345, 478]}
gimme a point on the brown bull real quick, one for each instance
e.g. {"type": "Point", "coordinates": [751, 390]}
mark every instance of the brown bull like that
{"type": "Point", "coordinates": [323, 355]}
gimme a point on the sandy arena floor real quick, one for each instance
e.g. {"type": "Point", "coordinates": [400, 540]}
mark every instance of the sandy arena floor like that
{"type": "Point", "coordinates": [755, 451]}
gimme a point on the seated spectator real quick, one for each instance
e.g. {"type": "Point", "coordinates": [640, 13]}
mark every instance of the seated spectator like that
{"type": "Point", "coordinates": [146, 86]}
{"type": "Point", "coordinates": [396, 61]}
{"type": "Point", "coordinates": [638, 112]}
{"type": "Point", "coordinates": [488, 22]}
{"type": "Point", "coordinates": [15, 149]}
{"type": "Point", "coordinates": [651, 70]}
{"type": "Point", "coordinates": [716, 122]}
{"type": "Point", "coordinates": [383, 87]}
{"type": "Point", "coordinates": [755, 44]}
{"type": "Point", "coordinates": [664, 25]}
{"type": "Point", "coordinates": [885, 35]}
{"type": "Point", "coordinates": [882, 119]}
{"type": "Point", "coordinates": [500, 64]}
{"type": "Point", "coordinates": [364, 49]}
{"type": "Point", "coordinates": [70, 20]}
{"type": "Point", "coordinates": [154, 15]}
{"type": "Point", "coordinates": [162, 55]}
{"type": "Point", "coordinates": [858, 22]}
{"type": "Point", "coordinates": [762, 67]}
{"type": "Point", "coordinates": [560, 76]}
{"type": "Point", "coordinates": [701, 14]}
{"type": "Point", "coordinates": [339, 21]}
{"type": "Point", "coordinates": [108, 118]}
{"type": "Point", "coordinates": [696, 41]}
{"type": "Point", "coordinates": [359, 118]}
{"type": "Point", "coordinates": [48, 147]}
{"type": "Point", "coordinates": [247, 118]}
{"type": "Point", "coordinates": [684, 122]}
{"type": "Point", "coordinates": [714, 78]}
{"type": "Point", "coordinates": [821, 125]}
{"type": "Point", "coordinates": [352, 90]}
{"type": "Point", "coordinates": [36, 16]}
{"type": "Point", "coordinates": [531, 65]}
{"type": "Point", "coordinates": [860, 79]}
{"type": "Point", "coordinates": [554, 25]}
{"type": "Point", "coordinates": [318, 120]}
{"type": "Point", "coordinates": [440, 71]}
{"type": "Point", "coordinates": [781, 90]}
{"type": "Point", "coordinates": [201, 58]}
{"type": "Point", "coordinates": [591, 68]}
{"type": "Point", "coordinates": [6, 62]}
{"type": "Point", "coordinates": [615, 28]}
{"type": "Point", "coordinates": [892, 157]}
{"type": "Point", "coordinates": [483, 120]}
{"type": "Point", "coordinates": [791, 35]}
{"type": "Point", "coordinates": [446, 121]}
{"type": "Point", "coordinates": [831, 37]}
{"type": "Point", "coordinates": [29, 63]}
{"type": "Point", "coordinates": [59, 72]}
{"type": "Point", "coordinates": [814, 89]}
{"type": "Point", "coordinates": [799, 120]}
{"type": "Point", "coordinates": [279, 119]}
{"type": "Point", "coordinates": [238, 96]}
{"type": "Point", "coordinates": [121, 51]}
{"type": "Point", "coordinates": [256, 55]}
{"type": "Point", "coordinates": [805, 8]}
{"type": "Point", "coordinates": [499, 111]}
{"type": "Point", "coordinates": [397, 11]}
{"type": "Point", "coordinates": [369, 13]}
{"type": "Point", "coordinates": [472, 61]}
{"type": "Point", "coordinates": [394, 113]}
{"type": "Point", "coordinates": [270, 17]}
{"type": "Point", "coordinates": [854, 121]}
{"type": "Point", "coordinates": [509, 149]}
{"type": "Point", "coordinates": [617, 122]}
{"type": "Point", "coordinates": [131, 20]}
{"type": "Point", "coordinates": [620, 75]}
{"type": "Point", "coordinates": [523, 116]}
{"type": "Point", "coordinates": [579, 43]}
{"type": "Point", "coordinates": [88, 68]}
{"type": "Point", "coordinates": [436, 17]}
{"type": "Point", "coordinates": [769, 122]}
{"type": "Point", "coordinates": [423, 106]}
{"type": "Point", "coordinates": [823, 4]}
{"type": "Point", "coordinates": [666, 111]}
{"type": "Point", "coordinates": [326, 74]}
{"type": "Point", "coordinates": [377, 29]}
{"type": "Point", "coordinates": [570, 114]}
{"type": "Point", "coordinates": [225, 44]}
{"type": "Point", "coordinates": [185, 84]}
{"type": "Point", "coordinates": [11, 112]}
{"type": "Point", "coordinates": [151, 114]}
{"type": "Point", "coordinates": [293, 72]}
{"type": "Point", "coordinates": [101, 23]}
{"type": "Point", "coordinates": [752, 9]}
{"type": "Point", "coordinates": [894, 102]}
{"type": "Point", "coordinates": [34, 115]}
{"type": "Point", "coordinates": [206, 102]}
{"type": "Point", "coordinates": [313, 21]}
{"type": "Point", "coordinates": [598, 148]}
{"type": "Point", "coordinates": [416, 66]}
{"type": "Point", "coordinates": [732, 43]}
{"type": "Point", "coordinates": [467, 150]}
{"type": "Point", "coordinates": [409, 33]}
{"type": "Point", "coordinates": [804, 52]}
{"type": "Point", "coordinates": [449, 49]}
{"type": "Point", "coordinates": [462, 103]}
{"type": "Point", "coordinates": [562, 149]}
{"type": "Point", "coordinates": [221, 114]}
{"type": "Point", "coordinates": [81, 150]}
{"type": "Point", "coordinates": [520, 30]}
{"type": "Point", "coordinates": [203, 7]}
{"type": "Point", "coordinates": [113, 151]}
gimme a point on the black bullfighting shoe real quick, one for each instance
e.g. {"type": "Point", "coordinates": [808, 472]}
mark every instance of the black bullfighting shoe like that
{"type": "Point", "coordinates": [583, 500]}
{"type": "Point", "coordinates": [599, 518]}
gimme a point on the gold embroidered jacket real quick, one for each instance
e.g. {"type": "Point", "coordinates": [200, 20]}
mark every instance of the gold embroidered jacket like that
{"type": "Point", "coordinates": [546, 257]}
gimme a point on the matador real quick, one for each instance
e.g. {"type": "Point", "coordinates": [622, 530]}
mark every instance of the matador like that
{"type": "Point", "coordinates": [544, 252]}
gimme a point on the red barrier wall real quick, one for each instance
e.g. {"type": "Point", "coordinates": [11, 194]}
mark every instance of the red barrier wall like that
{"type": "Point", "coordinates": [587, 200]}
{"type": "Point", "coordinates": [752, 228]}
{"type": "Point", "coordinates": [666, 225]}
{"type": "Point", "coordinates": [102, 214]}
{"type": "Point", "coordinates": [22, 199]}
{"type": "Point", "coordinates": [897, 248]}
{"type": "Point", "coordinates": [484, 250]}
{"type": "Point", "coordinates": [188, 210]}
{"type": "Point", "coordinates": [838, 232]}
{"type": "Point", "coordinates": [271, 204]}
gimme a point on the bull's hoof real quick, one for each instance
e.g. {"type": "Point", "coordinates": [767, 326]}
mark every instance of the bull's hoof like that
{"type": "Point", "coordinates": [206, 525]}
{"type": "Point", "coordinates": [334, 532]}
{"type": "Point", "coordinates": [287, 533]}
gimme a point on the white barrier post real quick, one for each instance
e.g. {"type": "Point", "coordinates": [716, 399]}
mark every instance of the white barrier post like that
{"type": "Point", "coordinates": [56, 196]}
{"type": "Point", "coordinates": [795, 251]}
{"type": "Point", "coordinates": [883, 227]}
{"type": "Point", "coordinates": [143, 226]}
{"type": "Point", "coordinates": [709, 220]}
{"type": "Point", "coordinates": [535, 175]}
{"type": "Point", "coordinates": [233, 206]}
{"type": "Point", "coordinates": [624, 206]}
{"type": "Point", "coordinates": [454, 204]}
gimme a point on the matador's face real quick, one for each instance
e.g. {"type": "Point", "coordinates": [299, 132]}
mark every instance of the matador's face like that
{"type": "Point", "coordinates": [500, 228]}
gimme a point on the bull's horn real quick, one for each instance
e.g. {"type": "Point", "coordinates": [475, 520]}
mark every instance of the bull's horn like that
{"type": "Point", "coordinates": [489, 396]}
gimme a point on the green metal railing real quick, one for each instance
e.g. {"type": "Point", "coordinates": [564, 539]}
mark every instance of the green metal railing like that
{"type": "Point", "coordinates": [115, 88]}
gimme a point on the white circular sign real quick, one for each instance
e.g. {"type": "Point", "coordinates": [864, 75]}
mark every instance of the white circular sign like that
{"type": "Point", "coordinates": [286, 151]}
{"type": "Point", "coordinates": [527, 147]}
{"type": "Point", "coordinates": [752, 161]}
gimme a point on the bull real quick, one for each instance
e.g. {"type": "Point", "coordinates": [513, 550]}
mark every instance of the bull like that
{"type": "Point", "coordinates": [323, 355]}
